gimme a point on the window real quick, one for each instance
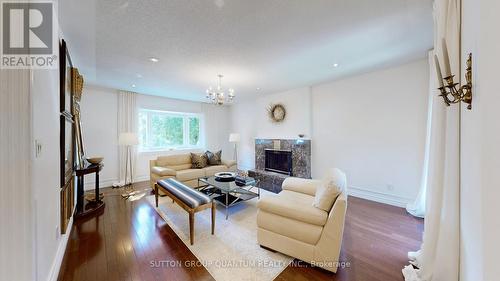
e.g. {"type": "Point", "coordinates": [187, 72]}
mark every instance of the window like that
{"type": "Point", "coordinates": [168, 130]}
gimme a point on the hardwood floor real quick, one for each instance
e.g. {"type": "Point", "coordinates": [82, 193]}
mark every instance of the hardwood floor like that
{"type": "Point", "coordinates": [124, 241]}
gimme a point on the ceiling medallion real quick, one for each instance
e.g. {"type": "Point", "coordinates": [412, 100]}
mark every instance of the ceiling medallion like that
{"type": "Point", "coordinates": [219, 95]}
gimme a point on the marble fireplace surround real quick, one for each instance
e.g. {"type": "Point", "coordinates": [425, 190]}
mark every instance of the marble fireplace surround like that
{"type": "Point", "coordinates": [301, 154]}
{"type": "Point", "coordinates": [301, 161]}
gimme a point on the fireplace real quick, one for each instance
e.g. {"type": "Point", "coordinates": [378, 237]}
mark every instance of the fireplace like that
{"type": "Point", "coordinates": [279, 161]}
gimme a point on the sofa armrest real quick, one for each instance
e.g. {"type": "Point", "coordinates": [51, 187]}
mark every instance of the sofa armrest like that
{"type": "Point", "coordinates": [162, 171]}
{"type": "Point", "coordinates": [305, 186]}
{"type": "Point", "coordinates": [229, 163]}
{"type": "Point", "coordinates": [152, 163]}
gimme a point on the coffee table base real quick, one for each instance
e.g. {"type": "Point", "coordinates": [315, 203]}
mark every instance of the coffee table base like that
{"type": "Point", "coordinates": [229, 199]}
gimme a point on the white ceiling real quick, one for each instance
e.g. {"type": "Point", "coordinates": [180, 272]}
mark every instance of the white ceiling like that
{"type": "Point", "coordinates": [272, 45]}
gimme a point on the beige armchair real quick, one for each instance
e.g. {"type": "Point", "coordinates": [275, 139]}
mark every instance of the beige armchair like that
{"type": "Point", "coordinates": [179, 167]}
{"type": "Point", "coordinates": [290, 223]}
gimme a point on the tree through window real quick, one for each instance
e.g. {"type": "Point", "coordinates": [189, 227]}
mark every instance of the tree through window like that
{"type": "Point", "coordinates": [168, 130]}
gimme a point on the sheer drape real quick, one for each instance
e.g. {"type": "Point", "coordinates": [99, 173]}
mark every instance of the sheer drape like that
{"type": "Point", "coordinates": [417, 208]}
{"type": "Point", "coordinates": [438, 258]}
{"type": "Point", "coordinates": [127, 122]}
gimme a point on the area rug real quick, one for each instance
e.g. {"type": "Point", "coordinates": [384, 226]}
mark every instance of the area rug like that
{"type": "Point", "coordinates": [232, 253]}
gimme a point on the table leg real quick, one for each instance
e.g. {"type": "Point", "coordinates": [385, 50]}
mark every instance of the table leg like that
{"type": "Point", "coordinates": [79, 192]}
{"type": "Point", "coordinates": [213, 217]}
{"type": "Point", "coordinates": [156, 194]}
{"type": "Point", "coordinates": [97, 197]}
{"type": "Point", "coordinates": [191, 227]}
{"type": "Point", "coordinates": [227, 203]}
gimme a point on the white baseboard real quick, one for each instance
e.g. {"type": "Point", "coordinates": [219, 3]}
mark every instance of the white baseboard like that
{"type": "Point", "coordinates": [90, 185]}
{"type": "Point", "coordinates": [380, 197]}
{"type": "Point", "coordinates": [61, 250]}
{"type": "Point", "coordinates": [141, 178]}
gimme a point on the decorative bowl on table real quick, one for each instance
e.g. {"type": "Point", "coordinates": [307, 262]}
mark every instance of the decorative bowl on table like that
{"type": "Point", "coordinates": [225, 176]}
{"type": "Point", "coordinates": [95, 160]}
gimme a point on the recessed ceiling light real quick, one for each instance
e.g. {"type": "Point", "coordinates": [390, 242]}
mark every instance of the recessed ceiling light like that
{"type": "Point", "coordinates": [335, 65]}
{"type": "Point", "coordinates": [138, 75]}
{"type": "Point", "coordinates": [133, 85]}
{"type": "Point", "coordinates": [153, 59]}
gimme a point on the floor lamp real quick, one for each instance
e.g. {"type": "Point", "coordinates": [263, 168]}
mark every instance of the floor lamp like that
{"type": "Point", "coordinates": [235, 138]}
{"type": "Point", "coordinates": [128, 140]}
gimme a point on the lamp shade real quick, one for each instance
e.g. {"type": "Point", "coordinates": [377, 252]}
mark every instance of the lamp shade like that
{"type": "Point", "coordinates": [128, 139]}
{"type": "Point", "coordinates": [234, 137]}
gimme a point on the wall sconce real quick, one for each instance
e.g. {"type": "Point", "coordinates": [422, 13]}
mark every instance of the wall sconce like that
{"type": "Point", "coordinates": [452, 92]}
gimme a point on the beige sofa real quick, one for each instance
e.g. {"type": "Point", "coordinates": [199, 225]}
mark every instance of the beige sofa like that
{"type": "Point", "coordinates": [179, 167]}
{"type": "Point", "coordinates": [289, 223]}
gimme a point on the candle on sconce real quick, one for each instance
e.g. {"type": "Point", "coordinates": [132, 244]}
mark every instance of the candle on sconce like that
{"type": "Point", "coordinates": [446, 59]}
{"type": "Point", "coordinates": [438, 71]}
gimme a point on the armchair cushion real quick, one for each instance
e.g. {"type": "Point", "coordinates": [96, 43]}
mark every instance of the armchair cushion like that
{"type": "Point", "coordinates": [294, 205]}
{"type": "Point", "coordinates": [331, 186]}
{"type": "Point", "coordinates": [162, 171]}
{"type": "Point", "coordinates": [305, 186]}
{"type": "Point", "coordinates": [304, 232]}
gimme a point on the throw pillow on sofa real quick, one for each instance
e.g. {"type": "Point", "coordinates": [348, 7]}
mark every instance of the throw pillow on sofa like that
{"type": "Point", "coordinates": [214, 158]}
{"type": "Point", "coordinates": [329, 189]}
{"type": "Point", "coordinates": [199, 161]}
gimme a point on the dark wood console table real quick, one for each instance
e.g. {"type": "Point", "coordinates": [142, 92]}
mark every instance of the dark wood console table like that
{"type": "Point", "coordinates": [85, 209]}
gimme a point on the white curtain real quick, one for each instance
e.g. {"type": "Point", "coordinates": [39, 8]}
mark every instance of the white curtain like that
{"type": "Point", "coordinates": [438, 258]}
{"type": "Point", "coordinates": [127, 123]}
{"type": "Point", "coordinates": [417, 207]}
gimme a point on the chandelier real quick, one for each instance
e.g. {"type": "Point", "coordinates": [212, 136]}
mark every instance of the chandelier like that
{"type": "Point", "coordinates": [219, 95]}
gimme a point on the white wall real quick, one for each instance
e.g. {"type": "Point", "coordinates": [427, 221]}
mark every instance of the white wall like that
{"type": "Point", "coordinates": [16, 194]}
{"type": "Point", "coordinates": [480, 151]}
{"type": "Point", "coordinates": [99, 116]}
{"type": "Point", "coordinates": [372, 126]}
{"type": "Point", "coordinates": [249, 118]}
{"type": "Point", "coordinates": [100, 128]}
{"type": "Point", "coordinates": [50, 245]}
{"type": "Point", "coordinates": [470, 181]}
{"type": "Point", "coordinates": [36, 248]}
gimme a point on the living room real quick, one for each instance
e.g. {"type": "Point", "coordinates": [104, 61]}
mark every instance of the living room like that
{"type": "Point", "coordinates": [249, 140]}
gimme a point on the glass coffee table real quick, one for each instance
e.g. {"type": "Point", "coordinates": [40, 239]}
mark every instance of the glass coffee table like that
{"type": "Point", "coordinates": [229, 193]}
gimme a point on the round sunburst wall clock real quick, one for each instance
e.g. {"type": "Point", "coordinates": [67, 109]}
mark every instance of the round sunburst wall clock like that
{"type": "Point", "coordinates": [276, 112]}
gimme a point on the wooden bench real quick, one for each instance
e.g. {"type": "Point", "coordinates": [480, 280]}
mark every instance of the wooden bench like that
{"type": "Point", "coordinates": [188, 198]}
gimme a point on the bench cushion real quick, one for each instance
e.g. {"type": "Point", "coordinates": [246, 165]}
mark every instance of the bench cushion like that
{"type": "Point", "coordinates": [186, 194]}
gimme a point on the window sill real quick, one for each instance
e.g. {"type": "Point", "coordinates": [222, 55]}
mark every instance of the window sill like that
{"type": "Point", "coordinates": [164, 150]}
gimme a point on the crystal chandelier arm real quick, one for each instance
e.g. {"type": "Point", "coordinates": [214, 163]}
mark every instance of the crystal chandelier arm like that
{"type": "Point", "coordinates": [219, 86]}
{"type": "Point", "coordinates": [219, 96]}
